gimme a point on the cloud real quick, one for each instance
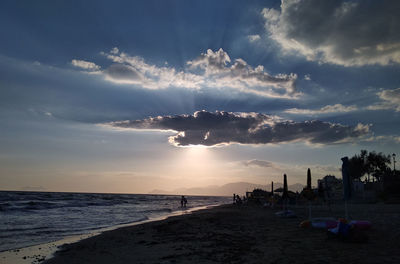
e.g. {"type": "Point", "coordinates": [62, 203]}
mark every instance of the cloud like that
{"type": "Point", "coordinates": [337, 108]}
{"type": "Point", "coordinates": [220, 72]}
{"type": "Point", "coordinates": [212, 62]}
{"type": "Point", "coordinates": [348, 33]}
{"type": "Point", "coordinates": [315, 168]}
{"type": "Point", "coordinates": [286, 167]}
{"type": "Point", "coordinates": [134, 70]}
{"type": "Point", "coordinates": [33, 188]}
{"type": "Point", "coordinates": [38, 112]}
{"type": "Point", "coordinates": [123, 74]}
{"type": "Point", "coordinates": [392, 139]}
{"type": "Point", "coordinates": [210, 70]}
{"type": "Point", "coordinates": [86, 65]}
{"type": "Point", "coordinates": [114, 50]}
{"type": "Point", "coordinates": [219, 128]}
{"type": "Point", "coordinates": [259, 163]}
{"type": "Point", "coordinates": [390, 98]}
{"type": "Point", "coordinates": [327, 168]}
{"type": "Point", "coordinates": [254, 38]}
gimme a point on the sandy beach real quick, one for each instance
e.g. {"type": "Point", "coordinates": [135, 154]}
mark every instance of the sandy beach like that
{"type": "Point", "coordinates": [246, 234]}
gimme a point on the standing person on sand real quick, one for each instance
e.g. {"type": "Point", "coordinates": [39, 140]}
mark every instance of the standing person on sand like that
{"type": "Point", "coordinates": [182, 200]}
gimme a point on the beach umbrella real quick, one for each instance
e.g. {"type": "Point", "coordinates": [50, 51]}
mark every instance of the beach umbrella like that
{"type": "Point", "coordinates": [272, 188]}
{"type": "Point", "coordinates": [309, 192]}
{"type": "Point", "coordinates": [346, 183]}
{"type": "Point", "coordinates": [285, 193]}
{"type": "Point", "coordinates": [271, 199]}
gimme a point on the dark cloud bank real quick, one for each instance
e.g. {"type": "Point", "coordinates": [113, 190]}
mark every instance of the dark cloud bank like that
{"type": "Point", "coordinates": [349, 33]}
{"type": "Point", "coordinates": [216, 128]}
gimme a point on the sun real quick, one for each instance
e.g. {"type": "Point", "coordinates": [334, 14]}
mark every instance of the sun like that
{"type": "Point", "coordinates": [197, 152]}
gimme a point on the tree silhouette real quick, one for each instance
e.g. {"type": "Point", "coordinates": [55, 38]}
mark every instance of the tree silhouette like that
{"type": "Point", "coordinates": [379, 164]}
{"type": "Point", "coordinates": [372, 163]}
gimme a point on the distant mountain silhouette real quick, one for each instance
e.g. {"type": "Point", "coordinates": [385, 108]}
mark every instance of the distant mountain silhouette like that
{"type": "Point", "coordinates": [227, 189]}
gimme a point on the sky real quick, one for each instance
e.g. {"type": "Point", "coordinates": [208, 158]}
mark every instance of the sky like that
{"type": "Point", "coordinates": [132, 96]}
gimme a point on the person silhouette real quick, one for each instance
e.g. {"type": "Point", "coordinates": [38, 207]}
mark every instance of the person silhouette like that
{"type": "Point", "coordinates": [238, 200]}
{"type": "Point", "coordinates": [182, 201]}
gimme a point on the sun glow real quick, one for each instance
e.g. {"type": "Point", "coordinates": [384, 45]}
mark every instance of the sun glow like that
{"type": "Point", "coordinates": [195, 166]}
{"type": "Point", "coordinates": [197, 155]}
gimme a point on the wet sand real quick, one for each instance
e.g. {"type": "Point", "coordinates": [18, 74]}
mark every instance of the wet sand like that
{"type": "Point", "coordinates": [38, 253]}
{"type": "Point", "coordinates": [247, 234]}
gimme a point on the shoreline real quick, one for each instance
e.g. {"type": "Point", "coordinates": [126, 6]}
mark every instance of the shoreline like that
{"type": "Point", "coordinates": [233, 234]}
{"type": "Point", "coordinates": [44, 251]}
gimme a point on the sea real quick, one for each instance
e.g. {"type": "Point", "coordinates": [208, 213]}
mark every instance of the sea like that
{"type": "Point", "coordinates": [32, 218]}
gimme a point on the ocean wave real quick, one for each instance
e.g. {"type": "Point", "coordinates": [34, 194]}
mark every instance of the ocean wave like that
{"type": "Point", "coordinates": [40, 216]}
{"type": "Point", "coordinates": [161, 210]}
{"type": "Point", "coordinates": [21, 229]}
{"type": "Point", "coordinates": [44, 205]}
